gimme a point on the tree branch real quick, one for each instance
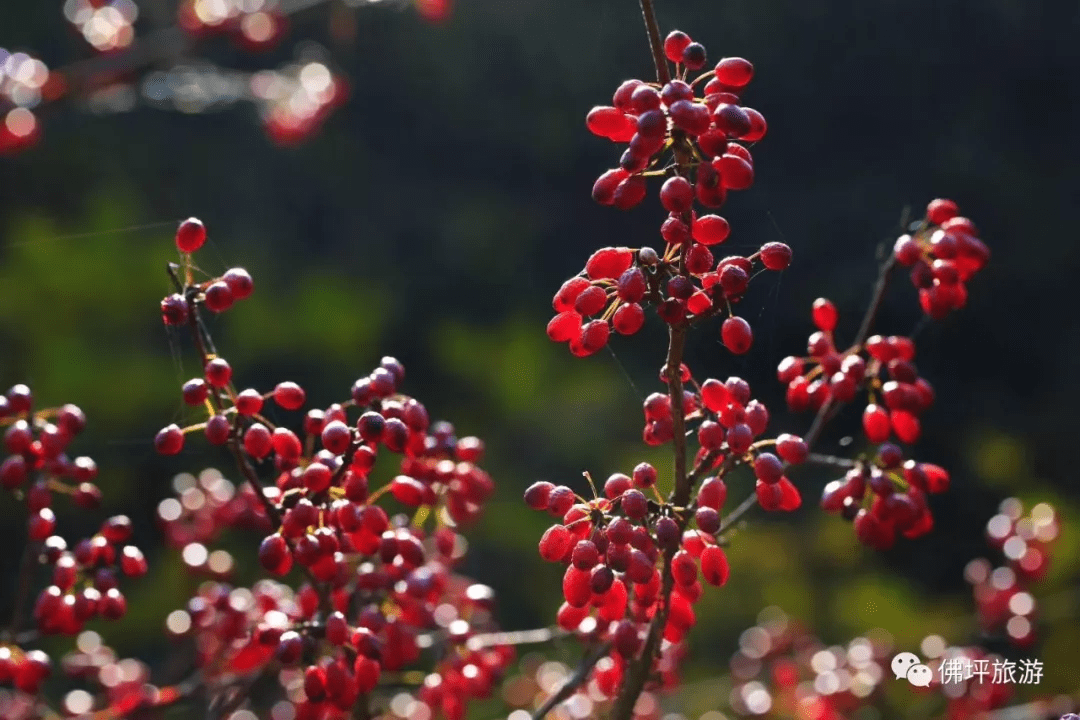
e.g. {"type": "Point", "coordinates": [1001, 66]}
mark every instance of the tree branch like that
{"type": "Point", "coordinates": [663, 73]}
{"type": "Point", "coordinates": [575, 681]}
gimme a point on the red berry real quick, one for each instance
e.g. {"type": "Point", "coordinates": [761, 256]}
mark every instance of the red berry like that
{"type": "Point", "coordinates": [707, 519]}
{"type": "Point", "coordinates": [594, 336]}
{"type": "Point", "coordinates": [628, 319]}
{"type": "Point", "coordinates": [674, 44]}
{"type": "Point", "coordinates": [537, 494]}
{"type": "Point", "coordinates": [676, 194]}
{"type": "Point", "coordinates": [239, 281]}
{"type": "Point", "coordinates": [712, 493]}
{"type": "Point", "coordinates": [577, 587]}
{"type": "Point", "coordinates": [560, 500]}
{"type": "Point", "coordinates": [408, 491]}
{"type": "Point", "coordinates": [714, 565]}
{"type": "Point", "coordinates": [825, 316]}
{"type": "Point", "coordinates": [286, 444]}
{"type": "Point", "coordinates": [734, 72]}
{"type": "Point", "coordinates": [875, 422]}
{"type": "Point", "coordinates": [737, 335]}
{"type": "Point", "coordinates": [758, 126]}
{"type": "Point", "coordinates": [768, 468]}
{"type": "Point", "coordinates": [736, 173]}
{"type": "Point", "coordinates": [591, 301]}
{"type": "Point", "coordinates": [608, 263]}
{"type": "Point", "coordinates": [555, 543]}
{"type": "Point", "coordinates": [257, 441]}
{"type": "Point", "coordinates": [217, 429]}
{"type": "Point", "coordinates": [174, 310]}
{"type": "Point", "coordinates": [289, 395]}
{"type": "Point", "coordinates": [643, 100]}
{"type": "Point", "coordinates": [907, 250]}
{"type": "Point", "coordinates": [644, 475]}
{"type": "Point", "coordinates": [792, 449]}
{"type": "Point", "coordinates": [775, 255]}
{"type": "Point", "coordinates": [629, 192]}
{"type": "Point", "coordinates": [219, 297]}
{"type": "Point", "coordinates": [274, 554]}
{"type": "Point", "coordinates": [675, 91]}
{"type": "Point", "coordinates": [604, 188]}
{"type": "Point", "coordinates": [634, 504]}
{"type": "Point", "coordinates": [732, 120]}
{"type": "Point", "coordinates": [622, 96]}
{"type": "Point", "coordinates": [248, 402]}
{"type": "Point", "coordinates": [218, 372]}
{"type": "Point", "coordinates": [190, 236]}
{"type": "Point", "coordinates": [693, 56]}
{"type": "Point", "coordinates": [585, 555]}
{"type": "Point", "coordinates": [336, 437]}
{"type": "Point", "coordinates": [940, 211]}
{"type": "Point", "coordinates": [683, 568]}
{"type": "Point", "coordinates": [711, 229]}
{"type": "Point", "coordinates": [610, 123]}
{"type": "Point", "coordinates": [905, 425]}
{"type": "Point", "coordinates": [169, 441]}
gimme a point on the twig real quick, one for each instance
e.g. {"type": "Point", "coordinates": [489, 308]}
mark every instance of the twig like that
{"type": "Point", "coordinates": [638, 673]}
{"type": "Point", "coordinates": [663, 74]}
{"type": "Point", "coordinates": [588, 662]}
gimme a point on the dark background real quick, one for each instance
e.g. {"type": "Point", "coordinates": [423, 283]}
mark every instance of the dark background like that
{"type": "Point", "coordinates": [442, 206]}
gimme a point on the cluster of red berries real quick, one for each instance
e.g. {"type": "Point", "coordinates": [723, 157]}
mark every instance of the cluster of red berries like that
{"type": "Point", "coordinates": [105, 24]}
{"type": "Point", "coordinates": [217, 294]}
{"type": "Point", "coordinates": [686, 282]}
{"type": "Point", "coordinates": [612, 545]}
{"type": "Point", "coordinates": [1006, 607]}
{"type": "Point", "coordinates": [37, 465]}
{"type": "Point", "coordinates": [95, 563]}
{"type": "Point", "coordinates": [618, 281]}
{"type": "Point", "coordinates": [884, 366]}
{"type": "Point", "coordinates": [886, 496]}
{"type": "Point", "coordinates": [943, 252]}
{"type": "Point", "coordinates": [653, 119]}
{"type": "Point", "coordinates": [24, 82]}
{"type": "Point", "coordinates": [380, 584]}
{"type": "Point", "coordinates": [84, 583]}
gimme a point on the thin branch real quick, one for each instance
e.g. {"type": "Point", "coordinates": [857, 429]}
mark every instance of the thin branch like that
{"type": "Point", "coordinates": [680, 495]}
{"type": "Point", "coordinates": [639, 671]}
{"type": "Point", "coordinates": [734, 515]}
{"type": "Point", "coordinates": [575, 681]}
{"type": "Point", "coordinates": [663, 73]}
{"type": "Point", "coordinates": [875, 304]}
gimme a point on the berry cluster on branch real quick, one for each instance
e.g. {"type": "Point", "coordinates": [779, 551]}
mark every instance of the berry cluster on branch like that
{"type": "Point", "coordinates": [633, 555]}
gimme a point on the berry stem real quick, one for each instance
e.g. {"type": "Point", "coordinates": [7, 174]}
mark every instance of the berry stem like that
{"type": "Point", "coordinates": [663, 73]}
{"type": "Point", "coordinates": [575, 681]}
